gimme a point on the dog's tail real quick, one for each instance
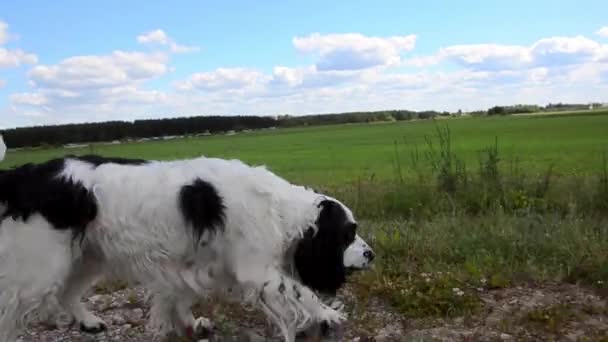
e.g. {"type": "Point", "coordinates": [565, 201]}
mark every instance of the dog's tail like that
{"type": "Point", "coordinates": [2, 148]}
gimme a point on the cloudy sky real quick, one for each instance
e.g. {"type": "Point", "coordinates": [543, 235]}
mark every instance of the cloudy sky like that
{"type": "Point", "coordinates": [74, 61]}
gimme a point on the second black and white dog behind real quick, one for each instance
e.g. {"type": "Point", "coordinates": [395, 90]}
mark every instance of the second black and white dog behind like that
{"type": "Point", "coordinates": [184, 229]}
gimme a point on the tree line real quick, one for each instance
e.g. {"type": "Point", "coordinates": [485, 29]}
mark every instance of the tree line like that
{"type": "Point", "coordinates": [58, 135]}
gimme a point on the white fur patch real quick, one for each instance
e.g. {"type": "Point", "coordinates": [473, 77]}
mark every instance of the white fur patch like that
{"type": "Point", "coordinates": [357, 254]}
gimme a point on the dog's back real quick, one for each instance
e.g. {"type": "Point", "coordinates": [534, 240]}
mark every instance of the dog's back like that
{"type": "Point", "coordinates": [140, 206]}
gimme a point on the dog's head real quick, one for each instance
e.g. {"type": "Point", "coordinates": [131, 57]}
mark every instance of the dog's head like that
{"type": "Point", "coordinates": [328, 253]}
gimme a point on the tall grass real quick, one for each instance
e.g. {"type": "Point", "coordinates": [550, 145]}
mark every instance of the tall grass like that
{"type": "Point", "coordinates": [601, 194]}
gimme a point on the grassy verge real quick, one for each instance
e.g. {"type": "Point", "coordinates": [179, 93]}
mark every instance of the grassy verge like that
{"type": "Point", "coordinates": [446, 236]}
{"type": "Point", "coordinates": [438, 267]}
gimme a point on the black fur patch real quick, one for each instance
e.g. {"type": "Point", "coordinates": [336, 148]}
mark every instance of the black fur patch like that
{"type": "Point", "coordinates": [99, 160]}
{"type": "Point", "coordinates": [320, 259]}
{"type": "Point", "coordinates": [202, 207]}
{"type": "Point", "coordinates": [35, 188]}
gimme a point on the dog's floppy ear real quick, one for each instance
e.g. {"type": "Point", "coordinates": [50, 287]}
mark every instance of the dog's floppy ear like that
{"type": "Point", "coordinates": [331, 216]}
{"type": "Point", "coordinates": [319, 258]}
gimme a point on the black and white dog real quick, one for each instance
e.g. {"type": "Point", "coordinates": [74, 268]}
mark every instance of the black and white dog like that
{"type": "Point", "coordinates": [184, 229]}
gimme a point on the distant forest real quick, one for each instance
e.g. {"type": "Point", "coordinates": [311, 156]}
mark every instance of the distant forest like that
{"type": "Point", "coordinates": [198, 125]}
{"type": "Point", "coordinates": [124, 130]}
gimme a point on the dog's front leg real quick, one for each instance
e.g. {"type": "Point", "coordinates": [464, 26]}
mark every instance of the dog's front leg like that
{"type": "Point", "coordinates": [171, 313]}
{"type": "Point", "coordinates": [185, 322]}
{"type": "Point", "coordinates": [84, 272]}
{"type": "Point", "coordinates": [289, 304]}
{"type": "Point", "coordinates": [171, 310]}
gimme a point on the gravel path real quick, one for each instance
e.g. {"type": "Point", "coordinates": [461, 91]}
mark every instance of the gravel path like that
{"type": "Point", "coordinates": [552, 312]}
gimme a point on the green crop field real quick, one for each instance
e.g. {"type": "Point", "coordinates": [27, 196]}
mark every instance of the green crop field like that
{"type": "Point", "coordinates": [336, 154]}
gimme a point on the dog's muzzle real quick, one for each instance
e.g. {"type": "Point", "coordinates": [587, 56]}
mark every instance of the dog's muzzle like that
{"type": "Point", "coordinates": [358, 255]}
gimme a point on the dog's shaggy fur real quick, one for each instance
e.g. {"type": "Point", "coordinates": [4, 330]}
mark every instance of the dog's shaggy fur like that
{"type": "Point", "coordinates": [184, 229]}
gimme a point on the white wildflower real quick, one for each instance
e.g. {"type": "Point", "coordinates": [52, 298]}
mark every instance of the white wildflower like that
{"type": "Point", "coordinates": [458, 292]}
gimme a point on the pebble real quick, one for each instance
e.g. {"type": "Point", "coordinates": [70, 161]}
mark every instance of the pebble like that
{"type": "Point", "coordinates": [96, 298]}
{"type": "Point", "coordinates": [505, 337]}
{"type": "Point", "coordinates": [118, 320]}
{"type": "Point", "coordinates": [137, 313]}
{"type": "Point", "coordinates": [388, 333]}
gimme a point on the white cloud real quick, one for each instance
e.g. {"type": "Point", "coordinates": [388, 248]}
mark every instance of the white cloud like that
{"type": "Point", "coordinates": [309, 90]}
{"type": "Point", "coordinates": [176, 48]}
{"type": "Point", "coordinates": [584, 74]}
{"type": "Point", "coordinates": [159, 36]}
{"type": "Point", "coordinates": [83, 72]}
{"type": "Point", "coordinates": [223, 79]}
{"type": "Point", "coordinates": [310, 77]}
{"type": "Point", "coordinates": [354, 51]}
{"type": "Point", "coordinates": [32, 99]}
{"type": "Point", "coordinates": [12, 58]}
{"type": "Point", "coordinates": [92, 88]}
{"type": "Point", "coordinates": [155, 36]}
{"type": "Point", "coordinates": [546, 52]}
{"type": "Point", "coordinates": [15, 58]}
{"type": "Point", "coordinates": [3, 32]}
{"type": "Point", "coordinates": [487, 56]}
{"type": "Point", "coordinates": [602, 56]}
{"type": "Point", "coordinates": [538, 75]}
{"type": "Point", "coordinates": [565, 50]}
{"type": "Point", "coordinates": [290, 77]}
{"type": "Point", "coordinates": [603, 32]}
{"type": "Point", "coordinates": [282, 81]}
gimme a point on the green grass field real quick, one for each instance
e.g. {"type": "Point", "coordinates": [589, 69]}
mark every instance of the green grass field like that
{"type": "Point", "coordinates": [486, 226]}
{"type": "Point", "coordinates": [337, 154]}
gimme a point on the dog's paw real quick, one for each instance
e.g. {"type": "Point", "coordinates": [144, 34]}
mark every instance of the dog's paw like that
{"type": "Point", "coordinates": [202, 326]}
{"type": "Point", "coordinates": [332, 316]}
{"type": "Point", "coordinates": [93, 325]}
{"type": "Point", "coordinates": [201, 329]}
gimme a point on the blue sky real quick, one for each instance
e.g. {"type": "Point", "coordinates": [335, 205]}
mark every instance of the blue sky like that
{"type": "Point", "coordinates": [75, 61]}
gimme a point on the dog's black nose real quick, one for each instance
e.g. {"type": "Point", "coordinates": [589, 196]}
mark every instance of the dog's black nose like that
{"type": "Point", "coordinates": [369, 255]}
